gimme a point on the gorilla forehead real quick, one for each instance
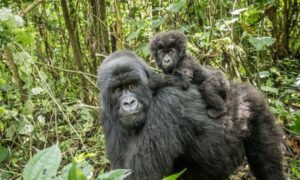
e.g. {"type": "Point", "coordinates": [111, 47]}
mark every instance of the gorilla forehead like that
{"type": "Point", "coordinates": [120, 65]}
{"type": "Point", "coordinates": [168, 39]}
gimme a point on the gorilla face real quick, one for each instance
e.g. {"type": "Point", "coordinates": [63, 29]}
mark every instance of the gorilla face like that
{"type": "Point", "coordinates": [123, 80]}
{"type": "Point", "coordinates": [167, 59]}
{"type": "Point", "coordinates": [125, 91]}
{"type": "Point", "coordinates": [167, 49]}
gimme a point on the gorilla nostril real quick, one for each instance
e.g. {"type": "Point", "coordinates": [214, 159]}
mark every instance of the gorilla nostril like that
{"type": "Point", "coordinates": [132, 101]}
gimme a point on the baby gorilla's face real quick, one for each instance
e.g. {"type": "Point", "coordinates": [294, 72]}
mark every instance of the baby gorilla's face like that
{"type": "Point", "coordinates": [167, 59]}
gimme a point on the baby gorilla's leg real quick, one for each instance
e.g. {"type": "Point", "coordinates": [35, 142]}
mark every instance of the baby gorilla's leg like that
{"type": "Point", "coordinates": [214, 92]}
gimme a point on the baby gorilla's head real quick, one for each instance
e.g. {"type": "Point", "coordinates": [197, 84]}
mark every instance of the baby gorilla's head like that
{"type": "Point", "coordinates": [168, 48]}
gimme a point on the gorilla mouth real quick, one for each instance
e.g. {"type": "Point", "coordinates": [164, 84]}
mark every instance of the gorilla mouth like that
{"type": "Point", "coordinates": [134, 113]}
{"type": "Point", "coordinates": [167, 68]}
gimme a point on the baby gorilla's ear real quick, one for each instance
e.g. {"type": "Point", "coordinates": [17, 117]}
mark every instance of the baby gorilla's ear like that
{"type": "Point", "coordinates": [181, 41]}
{"type": "Point", "coordinates": [181, 51]}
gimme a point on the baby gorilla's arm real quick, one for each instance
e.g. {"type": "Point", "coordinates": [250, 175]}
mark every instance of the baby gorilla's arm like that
{"type": "Point", "coordinates": [157, 81]}
{"type": "Point", "coordinates": [214, 91]}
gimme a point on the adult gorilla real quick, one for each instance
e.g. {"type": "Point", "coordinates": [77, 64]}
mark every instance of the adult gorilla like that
{"type": "Point", "coordinates": [155, 135]}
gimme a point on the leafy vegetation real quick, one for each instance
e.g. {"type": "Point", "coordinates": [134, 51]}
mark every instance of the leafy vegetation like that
{"type": "Point", "coordinates": [50, 51]}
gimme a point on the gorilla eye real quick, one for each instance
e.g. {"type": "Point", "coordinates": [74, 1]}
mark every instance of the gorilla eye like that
{"type": "Point", "coordinates": [132, 87]}
{"type": "Point", "coordinates": [117, 90]}
{"type": "Point", "coordinates": [160, 53]}
{"type": "Point", "coordinates": [172, 50]}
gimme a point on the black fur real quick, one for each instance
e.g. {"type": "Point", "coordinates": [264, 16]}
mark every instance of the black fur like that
{"type": "Point", "coordinates": [176, 132]}
{"type": "Point", "coordinates": [212, 83]}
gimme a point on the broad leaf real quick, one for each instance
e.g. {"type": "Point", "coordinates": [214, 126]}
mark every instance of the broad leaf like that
{"type": "Point", "coordinates": [176, 7]}
{"type": "Point", "coordinates": [269, 89]}
{"type": "Point", "coordinates": [261, 42]}
{"type": "Point", "coordinates": [175, 176]}
{"type": "Point", "coordinates": [43, 165]}
{"type": "Point", "coordinates": [84, 167]}
{"type": "Point", "coordinates": [133, 35]}
{"type": "Point", "coordinates": [3, 153]}
{"type": "Point", "coordinates": [75, 173]}
{"type": "Point", "coordinates": [118, 174]}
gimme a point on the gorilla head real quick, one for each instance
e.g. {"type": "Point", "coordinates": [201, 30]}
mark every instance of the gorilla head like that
{"type": "Point", "coordinates": [168, 48]}
{"type": "Point", "coordinates": [123, 80]}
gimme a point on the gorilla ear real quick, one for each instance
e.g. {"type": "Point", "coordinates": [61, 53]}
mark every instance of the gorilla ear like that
{"type": "Point", "coordinates": [182, 51]}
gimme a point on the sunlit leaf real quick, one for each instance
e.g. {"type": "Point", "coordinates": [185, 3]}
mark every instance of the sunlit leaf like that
{"type": "Point", "coordinates": [264, 74]}
{"type": "Point", "coordinates": [27, 129]}
{"type": "Point", "coordinates": [43, 165]}
{"type": "Point", "coordinates": [75, 173]}
{"type": "Point", "coordinates": [37, 90]}
{"type": "Point", "coordinates": [261, 42]}
{"type": "Point", "coordinates": [84, 166]}
{"type": "Point", "coordinates": [133, 35]}
{"type": "Point", "coordinates": [269, 89]}
{"type": "Point", "coordinates": [176, 7]}
{"type": "Point", "coordinates": [238, 11]}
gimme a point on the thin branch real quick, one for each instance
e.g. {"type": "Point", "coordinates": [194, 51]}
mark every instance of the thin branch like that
{"type": "Point", "coordinates": [66, 70]}
{"type": "Point", "coordinates": [30, 7]}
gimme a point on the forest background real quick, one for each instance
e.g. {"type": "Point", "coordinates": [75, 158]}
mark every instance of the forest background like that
{"type": "Point", "coordinates": [50, 51]}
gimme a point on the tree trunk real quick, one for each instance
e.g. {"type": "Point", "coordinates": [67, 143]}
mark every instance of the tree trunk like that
{"type": "Point", "coordinates": [98, 37]}
{"type": "Point", "coordinates": [118, 26]}
{"type": "Point", "coordinates": [75, 46]}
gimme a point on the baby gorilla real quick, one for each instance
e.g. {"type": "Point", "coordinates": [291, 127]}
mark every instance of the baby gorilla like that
{"type": "Point", "coordinates": [169, 52]}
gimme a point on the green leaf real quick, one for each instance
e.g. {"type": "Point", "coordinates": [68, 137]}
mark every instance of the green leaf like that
{"type": "Point", "coordinates": [157, 22]}
{"type": "Point", "coordinates": [296, 126]}
{"type": "Point", "coordinates": [269, 89]}
{"type": "Point", "coordinates": [75, 173]}
{"type": "Point", "coordinates": [43, 165]}
{"type": "Point", "coordinates": [238, 11]}
{"type": "Point", "coordinates": [3, 153]}
{"type": "Point", "coordinates": [175, 176]}
{"type": "Point", "coordinates": [28, 107]}
{"type": "Point", "coordinates": [176, 7]}
{"type": "Point", "coordinates": [118, 174]}
{"type": "Point", "coordinates": [84, 166]}
{"type": "Point", "coordinates": [133, 35]}
{"type": "Point", "coordinates": [261, 42]}
{"type": "Point", "coordinates": [264, 74]}
{"type": "Point", "coordinates": [36, 90]}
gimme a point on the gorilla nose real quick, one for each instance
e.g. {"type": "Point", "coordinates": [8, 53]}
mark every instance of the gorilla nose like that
{"type": "Point", "coordinates": [129, 104]}
{"type": "Point", "coordinates": [166, 60]}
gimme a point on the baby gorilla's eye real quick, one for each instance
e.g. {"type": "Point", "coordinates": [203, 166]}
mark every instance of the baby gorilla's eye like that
{"type": "Point", "coordinates": [172, 50]}
{"type": "Point", "coordinates": [132, 87]}
{"type": "Point", "coordinates": [117, 90]}
{"type": "Point", "coordinates": [160, 53]}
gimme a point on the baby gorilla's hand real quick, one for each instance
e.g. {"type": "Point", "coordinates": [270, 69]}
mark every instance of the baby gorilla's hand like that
{"type": "Point", "coordinates": [182, 81]}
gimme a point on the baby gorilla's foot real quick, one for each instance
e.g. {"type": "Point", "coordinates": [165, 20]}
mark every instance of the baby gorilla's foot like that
{"type": "Point", "coordinates": [214, 113]}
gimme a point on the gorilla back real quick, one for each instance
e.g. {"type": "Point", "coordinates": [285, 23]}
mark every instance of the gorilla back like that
{"type": "Point", "coordinates": [157, 135]}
